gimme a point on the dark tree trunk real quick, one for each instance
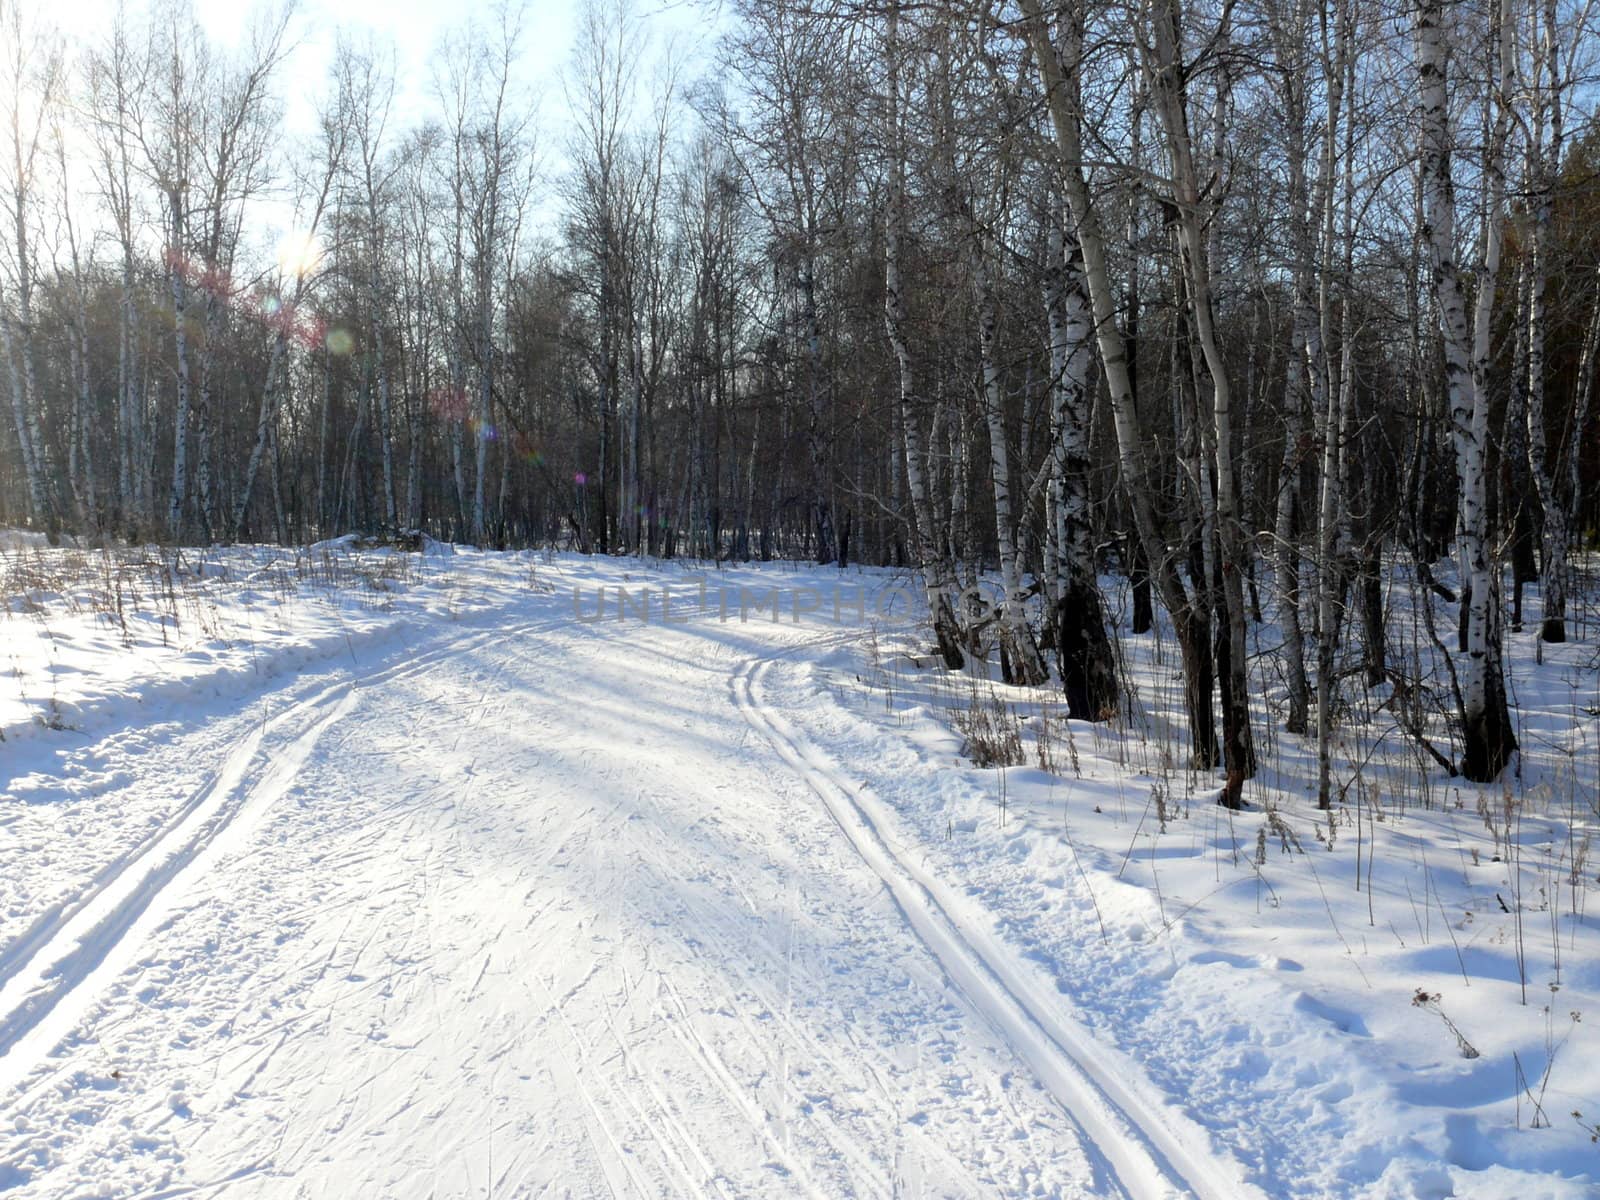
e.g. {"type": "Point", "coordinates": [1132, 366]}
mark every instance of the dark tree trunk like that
{"type": "Point", "coordinates": [1488, 739]}
{"type": "Point", "coordinates": [1194, 643]}
{"type": "Point", "coordinates": [1139, 576]}
{"type": "Point", "coordinates": [1088, 671]}
{"type": "Point", "coordinates": [1377, 642]}
{"type": "Point", "coordinates": [1239, 746]}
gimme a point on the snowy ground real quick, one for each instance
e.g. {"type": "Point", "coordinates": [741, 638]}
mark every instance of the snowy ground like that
{"type": "Point", "coordinates": [372, 875]}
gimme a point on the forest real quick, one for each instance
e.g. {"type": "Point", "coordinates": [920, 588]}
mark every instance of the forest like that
{"type": "Point", "coordinates": [1259, 304]}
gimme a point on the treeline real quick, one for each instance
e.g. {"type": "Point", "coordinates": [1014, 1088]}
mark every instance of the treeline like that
{"type": "Point", "coordinates": [1246, 299]}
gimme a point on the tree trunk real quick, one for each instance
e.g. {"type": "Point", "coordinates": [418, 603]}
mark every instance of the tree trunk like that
{"type": "Point", "coordinates": [180, 337]}
{"type": "Point", "coordinates": [1487, 737]}
{"type": "Point", "coordinates": [936, 574]}
{"type": "Point", "coordinates": [1058, 71]}
{"type": "Point", "coordinates": [1088, 668]}
{"type": "Point", "coordinates": [1544, 162]}
{"type": "Point", "coordinates": [1021, 663]}
{"type": "Point", "coordinates": [1167, 80]}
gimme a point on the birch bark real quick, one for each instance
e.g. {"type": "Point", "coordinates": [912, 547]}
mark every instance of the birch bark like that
{"type": "Point", "coordinates": [938, 578]}
{"type": "Point", "coordinates": [1020, 660]}
{"type": "Point", "coordinates": [1168, 73]}
{"type": "Point", "coordinates": [1088, 668]}
{"type": "Point", "coordinates": [1488, 740]}
{"type": "Point", "coordinates": [1058, 69]}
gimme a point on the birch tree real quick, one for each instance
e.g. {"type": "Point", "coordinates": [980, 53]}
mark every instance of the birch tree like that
{"type": "Point", "coordinates": [115, 80]}
{"type": "Point", "coordinates": [1487, 737]}
{"type": "Point", "coordinates": [932, 560]}
{"type": "Point", "coordinates": [1168, 73]}
{"type": "Point", "coordinates": [32, 66]}
{"type": "Point", "coordinates": [1058, 59]}
{"type": "Point", "coordinates": [1088, 668]}
{"type": "Point", "coordinates": [1305, 383]}
{"type": "Point", "coordinates": [1546, 90]}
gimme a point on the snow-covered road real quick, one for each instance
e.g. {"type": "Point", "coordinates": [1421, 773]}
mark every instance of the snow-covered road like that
{"type": "Point", "coordinates": [532, 906]}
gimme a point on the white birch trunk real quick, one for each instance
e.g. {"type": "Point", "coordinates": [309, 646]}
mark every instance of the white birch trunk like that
{"type": "Point", "coordinates": [1544, 163]}
{"type": "Point", "coordinates": [1330, 419]}
{"type": "Point", "coordinates": [1058, 73]}
{"type": "Point", "coordinates": [266, 414]}
{"type": "Point", "coordinates": [1167, 83]}
{"type": "Point", "coordinates": [179, 290]}
{"type": "Point", "coordinates": [1088, 670]}
{"type": "Point", "coordinates": [937, 578]}
{"type": "Point", "coordinates": [1021, 661]}
{"type": "Point", "coordinates": [380, 367]}
{"type": "Point", "coordinates": [1488, 741]}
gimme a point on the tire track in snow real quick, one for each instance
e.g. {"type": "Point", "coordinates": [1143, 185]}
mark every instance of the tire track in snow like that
{"type": "Point", "coordinates": [1151, 1149]}
{"type": "Point", "coordinates": [49, 976]}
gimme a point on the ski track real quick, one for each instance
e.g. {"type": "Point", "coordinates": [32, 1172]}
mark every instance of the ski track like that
{"type": "Point", "coordinates": [77, 944]}
{"type": "Point", "coordinates": [1153, 1150]}
{"type": "Point", "coordinates": [535, 912]}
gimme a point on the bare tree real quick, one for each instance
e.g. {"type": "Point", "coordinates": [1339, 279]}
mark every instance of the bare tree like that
{"type": "Point", "coordinates": [1169, 75]}
{"type": "Point", "coordinates": [298, 268]}
{"type": "Point", "coordinates": [116, 79]}
{"type": "Point", "coordinates": [938, 577]}
{"type": "Point", "coordinates": [1488, 740]}
{"type": "Point", "coordinates": [1058, 59]}
{"type": "Point", "coordinates": [32, 65]}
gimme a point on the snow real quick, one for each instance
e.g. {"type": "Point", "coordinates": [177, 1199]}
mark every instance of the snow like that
{"type": "Point", "coordinates": [359, 873]}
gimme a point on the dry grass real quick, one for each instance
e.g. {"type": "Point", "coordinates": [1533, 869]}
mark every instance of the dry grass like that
{"type": "Point", "coordinates": [143, 589]}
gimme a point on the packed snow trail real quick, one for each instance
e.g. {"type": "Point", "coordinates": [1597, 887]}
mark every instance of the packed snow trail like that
{"type": "Point", "coordinates": [65, 946]}
{"type": "Point", "coordinates": [540, 912]}
{"type": "Point", "coordinates": [1150, 1148]}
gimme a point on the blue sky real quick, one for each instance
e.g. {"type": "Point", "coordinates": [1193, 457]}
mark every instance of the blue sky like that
{"type": "Point", "coordinates": [415, 29]}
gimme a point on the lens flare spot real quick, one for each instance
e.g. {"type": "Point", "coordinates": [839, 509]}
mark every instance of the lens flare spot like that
{"type": "Point", "coordinates": [580, 478]}
{"type": "Point", "coordinates": [299, 254]}
{"type": "Point", "coordinates": [340, 342]}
